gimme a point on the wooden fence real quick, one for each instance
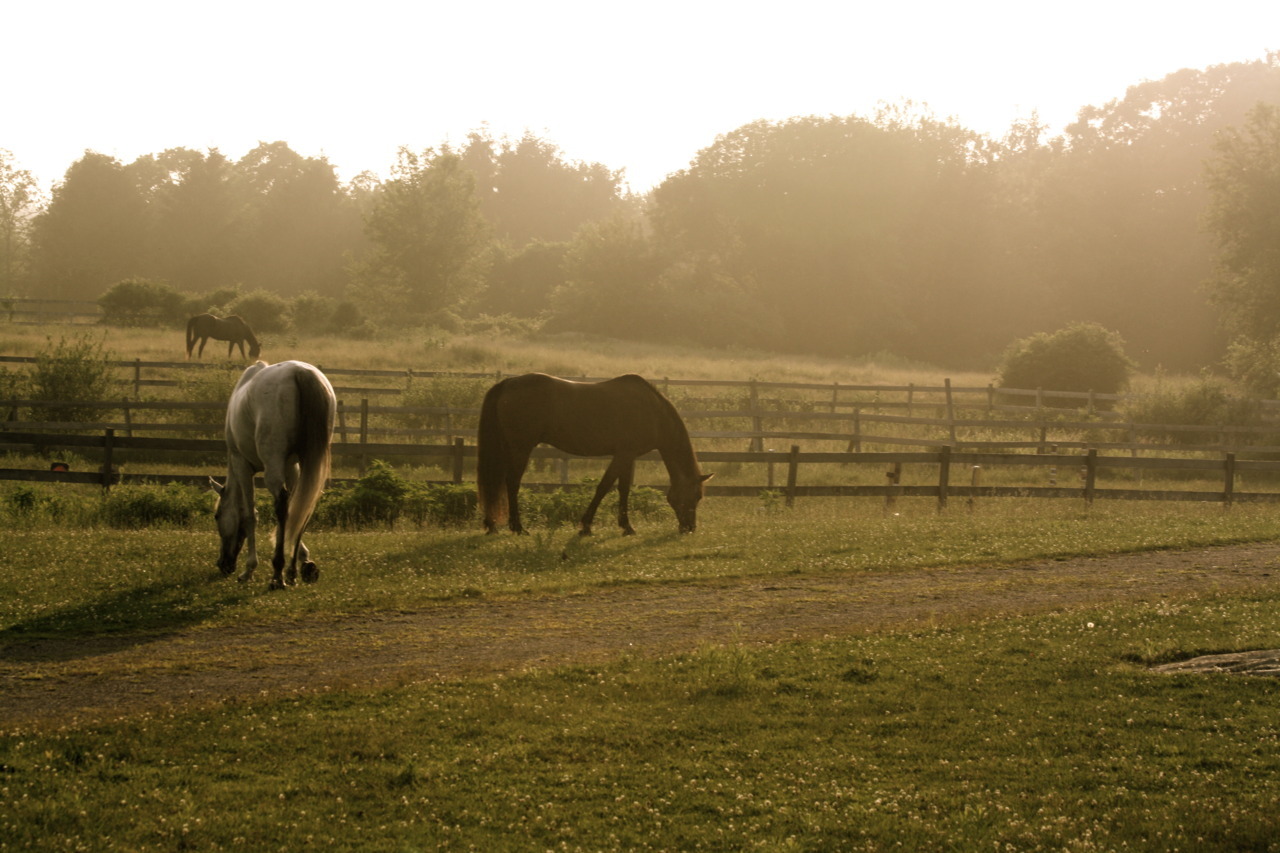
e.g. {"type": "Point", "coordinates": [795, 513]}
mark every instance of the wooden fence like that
{"type": "Point", "coordinates": [941, 461]}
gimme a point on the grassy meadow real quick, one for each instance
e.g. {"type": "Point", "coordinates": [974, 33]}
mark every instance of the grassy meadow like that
{"type": "Point", "coordinates": [1008, 732]}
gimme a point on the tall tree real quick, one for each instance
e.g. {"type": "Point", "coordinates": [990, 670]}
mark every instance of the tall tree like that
{"type": "Point", "coordinates": [528, 191]}
{"type": "Point", "coordinates": [428, 239]}
{"type": "Point", "coordinates": [1244, 218]}
{"type": "Point", "coordinates": [93, 232]}
{"type": "Point", "coordinates": [300, 222]}
{"type": "Point", "coordinates": [19, 196]}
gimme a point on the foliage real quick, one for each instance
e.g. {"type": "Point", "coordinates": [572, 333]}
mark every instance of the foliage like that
{"type": "Point", "coordinates": [531, 195]}
{"type": "Point", "coordinates": [19, 195]}
{"type": "Point", "coordinates": [265, 312]}
{"type": "Point", "coordinates": [565, 506]}
{"type": "Point", "coordinates": [1208, 402]}
{"type": "Point", "coordinates": [381, 497]}
{"type": "Point", "coordinates": [146, 506]}
{"type": "Point", "coordinates": [429, 241]}
{"type": "Point", "coordinates": [1244, 181]}
{"type": "Point", "coordinates": [76, 370]}
{"type": "Point", "coordinates": [142, 302]}
{"type": "Point", "coordinates": [1079, 357]}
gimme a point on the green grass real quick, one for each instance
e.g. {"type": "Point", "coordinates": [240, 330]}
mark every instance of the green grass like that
{"type": "Point", "coordinates": [58, 581]}
{"type": "Point", "coordinates": [1030, 733]}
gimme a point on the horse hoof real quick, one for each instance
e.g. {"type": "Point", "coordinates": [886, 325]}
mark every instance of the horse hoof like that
{"type": "Point", "coordinates": [310, 574]}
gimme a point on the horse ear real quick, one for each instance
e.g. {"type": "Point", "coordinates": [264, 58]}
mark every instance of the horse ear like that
{"type": "Point", "coordinates": [215, 487]}
{"type": "Point", "coordinates": [706, 477]}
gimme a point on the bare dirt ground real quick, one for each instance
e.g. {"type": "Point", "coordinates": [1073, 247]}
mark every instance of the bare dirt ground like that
{"type": "Point", "coordinates": [68, 682]}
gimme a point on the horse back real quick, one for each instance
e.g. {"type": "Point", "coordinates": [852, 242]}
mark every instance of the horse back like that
{"type": "Point", "coordinates": [625, 414]}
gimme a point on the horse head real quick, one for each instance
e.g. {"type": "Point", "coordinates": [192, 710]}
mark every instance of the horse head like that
{"type": "Point", "coordinates": [683, 496]}
{"type": "Point", "coordinates": [230, 528]}
{"type": "Point", "coordinates": [255, 349]}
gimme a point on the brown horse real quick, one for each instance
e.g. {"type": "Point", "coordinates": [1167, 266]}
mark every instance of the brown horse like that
{"type": "Point", "coordinates": [234, 330]}
{"type": "Point", "coordinates": [623, 418]}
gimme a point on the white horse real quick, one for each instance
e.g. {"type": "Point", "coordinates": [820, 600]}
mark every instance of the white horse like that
{"type": "Point", "coordinates": [279, 423]}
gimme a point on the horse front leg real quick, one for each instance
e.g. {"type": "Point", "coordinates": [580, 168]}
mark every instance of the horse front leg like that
{"type": "Point", "coordinates": [606, 483]}
{"type": "Point", "coordinates": [625, 477]}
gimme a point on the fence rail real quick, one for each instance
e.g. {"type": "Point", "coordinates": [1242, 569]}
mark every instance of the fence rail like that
{"type": "Point", "coordinates": [943, 461]}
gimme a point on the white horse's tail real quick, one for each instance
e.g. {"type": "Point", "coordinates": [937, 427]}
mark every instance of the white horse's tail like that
{"type": "Point", "coordinates": [316, 411]}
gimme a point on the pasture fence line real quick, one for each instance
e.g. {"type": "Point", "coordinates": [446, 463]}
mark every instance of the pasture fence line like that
{"type": "Point", "coordinates": [835, 397]}
{"type": "Point", "coordinates": [941, 460]}
{"type": "Point", "coordinates": [355, 423]}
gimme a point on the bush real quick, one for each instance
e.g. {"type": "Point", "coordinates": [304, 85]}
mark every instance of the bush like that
{"type": "Point", "coordinates": [174, 504]}
{"type": "Point", "coordinates": [264, 311]}
{"type": "Point", "coordinates": [1080, 357]}
{"type": "Point", "coordinates": [78, 370]}
{"type": "Point", "coordinates": [1208, 402]}
{"type": "Point", "coordinates": [313, 313]}
{"type": "Point", "coordinates": [142, 302]}
{"type": "Point", "coordinates": [214, 302]}
{"type": "Point", "coordinates": [381, 497]}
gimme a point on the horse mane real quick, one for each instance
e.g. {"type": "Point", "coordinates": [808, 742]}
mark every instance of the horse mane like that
{"type": "Point", "coordinates": [676, 423]}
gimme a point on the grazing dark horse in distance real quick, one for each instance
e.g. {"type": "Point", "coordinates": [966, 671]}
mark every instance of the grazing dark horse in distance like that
{"type": "Point", "coordinates": [623, 418]}
{"type": "Point", "coordinates": [234, 330]}
{"type": "Point", "coordinates": [280, 424]}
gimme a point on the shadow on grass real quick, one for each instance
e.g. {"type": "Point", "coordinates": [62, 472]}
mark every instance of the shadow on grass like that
{"type": "Point", "coordinates": [122, 619]}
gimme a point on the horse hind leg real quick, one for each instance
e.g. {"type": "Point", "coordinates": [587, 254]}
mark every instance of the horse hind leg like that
{"type": "Point", "coordinates": [279, 579]}
{"type": "Point", "coordinates": [611, 475]}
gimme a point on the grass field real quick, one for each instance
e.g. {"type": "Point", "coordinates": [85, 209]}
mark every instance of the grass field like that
{"type": "Point", "coordinates": [997, 731]}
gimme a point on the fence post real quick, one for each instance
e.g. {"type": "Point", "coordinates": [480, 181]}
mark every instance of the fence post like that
{"type": "Point", "coordinates": [793, 464]}
{"type": "Point", "coordinates": [1229, 484]}
{"type": "Point", "coordinates": [108, 447]}
{"type": "Point", "coordinates": [757, 426]}
{"type": "Point", "coordinates": [364, 430]}
{"type": "Point", "coordinates": [342, 422]}
{"type": "Point", "coordinates": [128, 419]}
{"type": "Point", "coordinates": [1090, 474]}
{"type": "Point", "coordinates": [991, 398]}
{"type": "Point", "coordinates": [975, 480]}
{"type": "Point", "coordinates": [951, 411]}
{"type": "Point", "coordinates": [894, 476]}
{"type": "Point", "coordinates": [137, 379]}
{"type": "Point", "coordinates": [911, 394]}
{"type": "Point", "coordinates": [944, 475]}
{"type": "Point", "coordinates": [457, 460]}
{"type": "Point", "coordinates": [855, 441]}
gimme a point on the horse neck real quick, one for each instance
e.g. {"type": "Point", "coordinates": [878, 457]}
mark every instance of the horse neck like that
{"type": "Point", "coordinates": [677, 453]}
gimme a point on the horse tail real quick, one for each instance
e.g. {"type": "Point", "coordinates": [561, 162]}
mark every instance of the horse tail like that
{"type": "Point", "coordinates": [491, 466]}
{"type": "Point", "coordinates": [316, 412]}
{"type": "Point", "coordinates": [191, 336]}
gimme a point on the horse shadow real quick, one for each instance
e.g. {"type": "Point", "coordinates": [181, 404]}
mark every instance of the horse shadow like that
{"type": "Point", "coordinates": [121, 620]}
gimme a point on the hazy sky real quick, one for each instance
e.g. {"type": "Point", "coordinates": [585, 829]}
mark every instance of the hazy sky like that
{"type": "Point", "coordinates": [635, 86]}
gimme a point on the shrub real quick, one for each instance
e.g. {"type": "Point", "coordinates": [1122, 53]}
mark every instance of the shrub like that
{"type": "Point", "coordinates": [76, 370]}
{"type": "Point", "coordinates": [142, 302]}
{"type": "Point", "coordinates": [1080, 357]}
{"type": "Point", "coordinates": [382, 497]}
{"type": "Point", "coordinates": [313, 313]}
{"type": "Point", "coordinates": [132, 507]}
{"type": "Point", "coordinates": [1208, 402]}
{"type": "Point", "coordinates": [265, 312]}
{"type": "Point", "coordinates": [214, 302]}
{"type": "Point", "coordinates": [211, 385]}
{"type": "Point", "coordinates": [440, 392]}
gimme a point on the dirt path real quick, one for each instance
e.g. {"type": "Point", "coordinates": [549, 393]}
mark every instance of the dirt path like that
{"type": "Point", "coordinates": [62, 682]}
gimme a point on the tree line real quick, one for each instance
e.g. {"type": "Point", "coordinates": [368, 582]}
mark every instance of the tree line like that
{"type": "Point", "coordinates": [1153, 215]}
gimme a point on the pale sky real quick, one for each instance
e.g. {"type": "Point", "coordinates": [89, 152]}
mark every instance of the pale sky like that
{"type": "Point", "coordinates": [638, 86]}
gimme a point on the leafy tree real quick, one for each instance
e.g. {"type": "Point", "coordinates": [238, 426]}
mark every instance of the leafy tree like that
{"type": "Point", "coordinates": [1078, 357]}
{"type": "Point", "coordinates": [78, 370]}
{"type": "Point", "coordinates": [612, 271]}
{"type": "Point", "coordinates": [92, 233]}
{"type": "Point", "coordinates": [142, 302]}
{"type": "Point", "coordinates": [1244, 218]}
{"type": "Point", "coordinates": [529, 192]}
{"type": "Point", "coordinates": [199, 230]}
{"type": "Point", "coordinates": [19, 196]}
{"type": "Point", "coordinates": [300, 223]}
{"type": "Point", "coordinates": [428, 240]}
{"type": "Point", "coordinates": [521, 281]}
